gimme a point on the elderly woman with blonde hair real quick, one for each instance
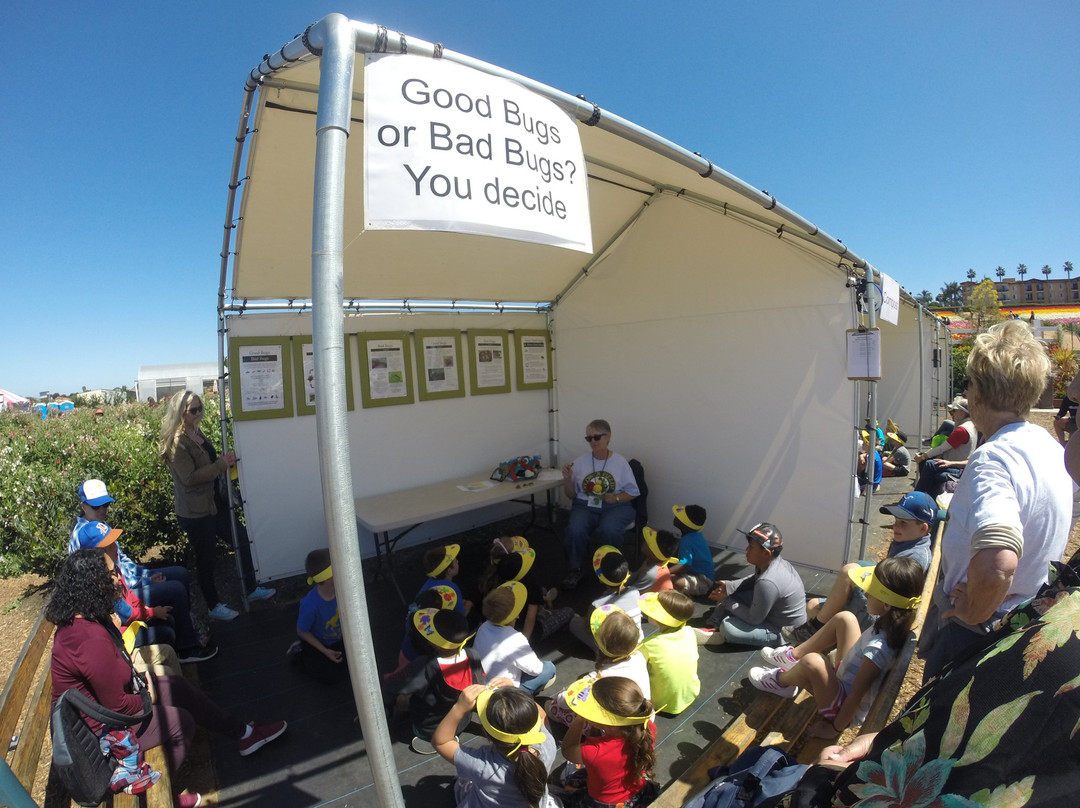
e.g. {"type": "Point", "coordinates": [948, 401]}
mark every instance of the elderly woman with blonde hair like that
{"type": "Point", "coordinates": [1010, 514]}
{"type": "Point", "coordinates": [196, 468]}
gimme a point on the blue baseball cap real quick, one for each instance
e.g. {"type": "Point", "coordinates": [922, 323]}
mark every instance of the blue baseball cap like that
{"type": "Point", "coordinates": [97, 534]}
{"type": "Point", "coordinates": [94, 492]}
{"type": "Point", "coordinates": [914, 505]}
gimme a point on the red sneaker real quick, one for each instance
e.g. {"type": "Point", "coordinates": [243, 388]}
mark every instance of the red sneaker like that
{"type": "Point", "coordinates": [260, 736]}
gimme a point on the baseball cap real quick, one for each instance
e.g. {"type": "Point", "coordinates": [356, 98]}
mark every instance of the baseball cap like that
{"type": "Point", "coordinates": [97, 534]}
{"type": "Point", "coordinates": [913, 505]}
{"type": "Point", "coordinates": [94, 492]}
{"type": "Point", "coordinates": [765, 534]}
{"type": "Point", "coordinates": [959, 403]}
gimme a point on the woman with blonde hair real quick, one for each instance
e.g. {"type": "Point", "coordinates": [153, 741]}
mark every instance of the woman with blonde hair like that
{"type": "Point", "coordinates": [1009, 517]}
{"type": "Point", "coordinates": [196, 467]}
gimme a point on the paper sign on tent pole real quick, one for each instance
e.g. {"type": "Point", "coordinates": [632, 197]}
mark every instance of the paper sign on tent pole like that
{"type": "Point", "coordinates": [450, 148]}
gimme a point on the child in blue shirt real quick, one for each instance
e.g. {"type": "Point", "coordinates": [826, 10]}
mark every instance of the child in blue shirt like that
{"type": "Point", "coordinates": [441, 567]}
{"type": "Point", "coordinates": [322, 652]}
{"type": "Point", "coordinates": [695, 573]}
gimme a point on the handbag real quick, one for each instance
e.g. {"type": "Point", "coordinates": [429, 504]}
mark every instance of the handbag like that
{"type": "Point", "coordinates": [78, 759]}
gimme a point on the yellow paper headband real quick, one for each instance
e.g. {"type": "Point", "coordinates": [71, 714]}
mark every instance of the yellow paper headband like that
{"type": "Point", "coordinates": [451, 552]}
{"type": "Point", "coordinates": [596, 619]}
{"type": "Point", "coordinates": [319, 577]}
{"type": "Point", "coordinates": [534, 735]}
{"type": "Point", "coordinates": [680, 514]}
{"type": "Point", "coordinates": [649, 535]}
{"type": "Point", "coordinates": [528, 558]}
{"type": "Point", "coordinates": [652, 607]}
{"type": "Point", "coordinates": [864, 578]}
{"type": "Point", "coordinates": [520, 593]}
{"type": "Point", "coordinates": [597, 560]}
{"type": "Point", "coordinates": [580, 699]}
{"type": "Point", "coordinates": [448, 595]}
{"type": "Point", "coordinates": [424, 620]}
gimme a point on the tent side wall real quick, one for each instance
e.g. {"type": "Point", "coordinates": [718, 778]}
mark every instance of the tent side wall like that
{"type": "Point", "coordinates": [905, 373]}
{"type": "Point", "coordinates": [393, 448]}
{"type": "Point", "coordinates": [717, 352]}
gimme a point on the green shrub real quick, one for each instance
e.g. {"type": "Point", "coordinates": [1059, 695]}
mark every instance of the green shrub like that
{"type": "Point", "coordinates": [42, 464]}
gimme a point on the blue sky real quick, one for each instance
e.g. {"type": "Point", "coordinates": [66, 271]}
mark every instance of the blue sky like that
{"type": "Point", "coordinates": [930, 137]}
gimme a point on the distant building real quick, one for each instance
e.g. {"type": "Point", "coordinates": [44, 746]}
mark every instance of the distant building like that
{"type": "Point", "coordinates": [1045, 291]}
{"type": "Point", "coordinates": [162, 381]}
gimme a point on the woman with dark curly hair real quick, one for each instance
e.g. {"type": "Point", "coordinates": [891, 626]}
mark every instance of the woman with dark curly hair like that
{"type": "Point", "coordinates": [88, 655]}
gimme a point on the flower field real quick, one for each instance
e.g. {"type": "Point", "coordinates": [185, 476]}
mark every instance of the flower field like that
{"type": "Point", "coordinates": [43, 462]}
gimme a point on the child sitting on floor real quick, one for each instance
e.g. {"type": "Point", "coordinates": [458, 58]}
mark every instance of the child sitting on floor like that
{"type": "Point", "coordinates": [611, 568]}
{"type": "Point", "coordinates": [441, 567]}
{"type": "Point", "coordinates": [671, 653]}
{"type": "Point", "coordinates": [512, 769]}
{"type": "Point", "coordinates": [658, 551]}
{"type": "Point", "coordinates": [618, 638]}
{"type": "Point", "coordinates": [503, 650]}
{"type": "Point", "coordinates": [540, 620]}
{"type": "Point", "coordinates": [620, 760]}
{"type": "Point", "coordinates": [844, 695]}
{"type": "Point", "coordinates": [434, 679]}
{"type": "Point", "coordinates": [322, 651]}
{"type": "Point", "coordinates": [437, 597]}
{"type": "Point", "coordinates": [695, 571]}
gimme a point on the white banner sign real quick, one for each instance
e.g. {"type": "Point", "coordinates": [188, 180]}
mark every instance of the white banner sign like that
{"type": "Point", "coordinates": [890, 303]}
{"type": "Point", "coordinates": [450, 148]}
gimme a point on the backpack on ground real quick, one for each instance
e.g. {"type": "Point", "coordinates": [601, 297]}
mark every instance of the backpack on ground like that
{"type": "Point", "coordinates": [757, 779]}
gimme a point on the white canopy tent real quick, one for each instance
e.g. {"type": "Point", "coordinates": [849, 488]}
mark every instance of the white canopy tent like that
{"type": "Point", "coordinates": [708, 325]}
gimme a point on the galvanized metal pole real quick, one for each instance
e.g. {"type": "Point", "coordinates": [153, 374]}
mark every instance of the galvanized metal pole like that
{"type": "Point", "coordinates": [333, 34]}
{"type": "Point", "coordinates": [922, 372]}
{"type": "Point", "coordinates": [868, 502]}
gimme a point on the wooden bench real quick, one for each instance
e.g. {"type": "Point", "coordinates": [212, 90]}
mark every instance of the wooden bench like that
{"type": "Point", "coordinates": [771, 720]}
{"type": "Point", "coordinates": [24, 708]}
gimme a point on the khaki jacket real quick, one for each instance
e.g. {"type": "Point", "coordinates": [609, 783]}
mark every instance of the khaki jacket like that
{"type": "Point", "coordinates": [193, 479]}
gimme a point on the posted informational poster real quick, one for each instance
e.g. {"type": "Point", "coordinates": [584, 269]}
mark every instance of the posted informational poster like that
{"type": "Point", "coordinates": [259, 373]}
{"type": "Point", "coordinates": [448, 147]}
{"type": "Point", "coordinates": [489, 363]}
{"type": "Point", "coordinates": [533, 359]}
{"type": "Point", "coordinates": [890, 299]}
{"type": "Point", "coordinates": [385, 368]}
{"type": "Point", "coordinates": [441, 369]}
{"type": "Point", "coordinates": [863, 353]}
{"type": "Point", "coordinates": [262, 378]}
{"type": "Point", "coordinates": [304, 374]}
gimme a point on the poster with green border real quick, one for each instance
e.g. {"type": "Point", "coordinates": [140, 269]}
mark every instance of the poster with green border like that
{"type": "Point", "coordinates": [533, 358]}
{"type": "Point", "coordinates": [440, 371]}
{"type": "Point", "coordinates": [489, 361]}
{"type": "Point", "coordinates": [386, 374]}
{"type": "Point", "coordinates": [260, 378]}
{"type": "Point", "coordinates": [304, 377]}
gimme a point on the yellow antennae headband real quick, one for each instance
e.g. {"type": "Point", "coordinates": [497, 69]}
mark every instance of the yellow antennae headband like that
{"type": "Point", "coordinates": [581, 699]}
{"type": "Point", "coordinates": [864, 578]}
{"type": "Point", "coordinates": [424, 620]}
{"type": "Point", "coordinates": [533, 735]}
{"type": "Point", "coordinates": [319, 577]}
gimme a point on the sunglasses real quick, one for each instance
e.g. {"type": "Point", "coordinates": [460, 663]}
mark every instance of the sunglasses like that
{"type": "Point", "coordinates": [591, 438]}
{"type": "Point", "coordinates": [195, 410]}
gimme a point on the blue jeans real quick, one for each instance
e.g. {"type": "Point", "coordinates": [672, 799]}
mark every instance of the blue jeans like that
{"type": "Point", "coordinates": [609, 523]}
{"type": "Point", "coordinates": [534, 683]}
{"type": "Point", "coordinates": [173, 591]}
{"type": "Point", "coordinates": [739, 632]}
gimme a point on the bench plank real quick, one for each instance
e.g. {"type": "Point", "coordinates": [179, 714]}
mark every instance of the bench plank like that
{"type": "Point", "coordinates": [21, 678]}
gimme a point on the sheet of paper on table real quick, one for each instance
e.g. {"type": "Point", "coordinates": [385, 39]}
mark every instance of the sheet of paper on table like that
{"type": "Point", "coordinates": [479, 485]}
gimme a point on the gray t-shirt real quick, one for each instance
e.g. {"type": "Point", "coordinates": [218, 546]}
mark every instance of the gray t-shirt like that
{"type": "Point", "coordinates": [918, 550]}
{"type": "Point", "coordinates": [901, 457]}
{"type": "Point", "coordinates": [779, 597]}
{"type": "Point", "coordinates": [486, 778]}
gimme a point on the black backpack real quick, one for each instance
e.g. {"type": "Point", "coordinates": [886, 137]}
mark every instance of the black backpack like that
{"type": "Point", "coordinates": [758, 778]}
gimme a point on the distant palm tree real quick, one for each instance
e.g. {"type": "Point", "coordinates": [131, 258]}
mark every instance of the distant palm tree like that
{"type": "Point", "coordinates": [1068, 269]}
{"type": "Point", "coordinates": [1001, 273]}
{"type": "Point", "coordinates": [971, 274]}
{"type": "Point", "coordinates": [1021, 270]}
{"type": "Point", "coordinates": [1046, 271]}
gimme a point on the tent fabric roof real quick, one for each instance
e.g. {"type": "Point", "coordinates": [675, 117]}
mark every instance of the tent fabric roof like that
{"type": "Point", "coordinates": [274, 231]}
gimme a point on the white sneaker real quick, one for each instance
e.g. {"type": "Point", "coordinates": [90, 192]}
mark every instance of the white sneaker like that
{"type": "Point", "coordinates": [708, 636]}
{"type": "Point", "coordinates": [223, 612]}
{"type": "Point", "coordinates": [767, 679]}
{"type": "Point", "coordinates": [262, 593]}
{"type": "Point", "coordinates": [781, 657]}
